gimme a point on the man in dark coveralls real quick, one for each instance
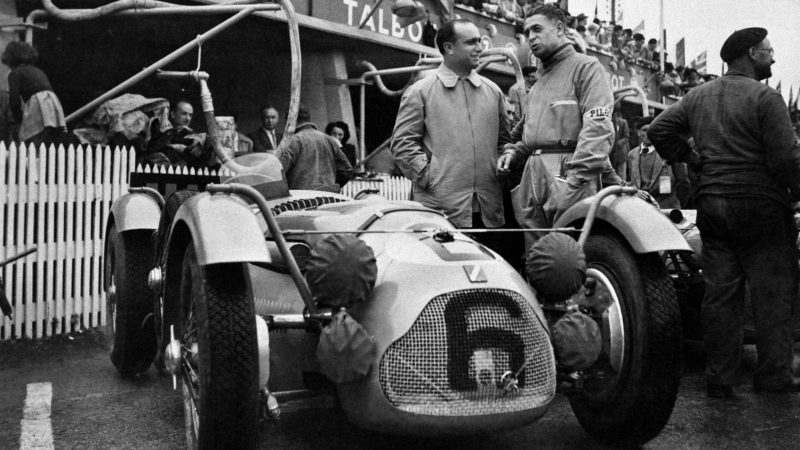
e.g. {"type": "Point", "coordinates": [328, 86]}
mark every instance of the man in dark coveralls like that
{"type": "Point", "coordinates": [749, 165]}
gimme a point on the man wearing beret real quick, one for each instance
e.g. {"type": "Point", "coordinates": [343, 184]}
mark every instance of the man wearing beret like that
{"type": "Point", "coordinates": [749, 165]}
{"type": "Point", "coordinates": [568, 130]}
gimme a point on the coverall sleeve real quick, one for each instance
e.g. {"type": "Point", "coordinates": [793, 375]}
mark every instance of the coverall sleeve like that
{"type": "Point", "coordinates": [779, 141]}
{"type": "Point", "coordinates": [596, 101]}
{"type": "Point", "coordinates": [666, 130]}
{"type": "Point", "coordinates": [409, 129]}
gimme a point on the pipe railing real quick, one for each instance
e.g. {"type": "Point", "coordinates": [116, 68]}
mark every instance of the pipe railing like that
{"type": "Point", "coordinates": [633, 89]}
{"type": "Point", "coordinates": [157, 8]}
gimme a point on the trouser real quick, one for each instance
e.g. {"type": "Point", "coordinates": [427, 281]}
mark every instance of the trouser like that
{"type": "Point", "coordinates": [542, 196]}
{"type": "Point", "coordinates": [751, 241]}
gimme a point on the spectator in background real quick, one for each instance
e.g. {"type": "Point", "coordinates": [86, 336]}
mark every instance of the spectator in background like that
{"type": "Point", "coordinates": [34, 105]}
{"type": "Point", "coordinates": [592, 38]}
{"type": "Point", "coordinates": [691, 79]}
{"type": "Point", "coordinates": [670, 81]}
{"type": "Point", "coordinates": [648, 172]}
{"type": "Point", "coordinates": [680, 70]}
{"type": "Point", "coordinates": [267, 138]}
{"type": "Point", "coordinates": [652, 51]}
{"type": "Point", "coordinates": [518, 94]}
{"type": "Point", "coordinates": [581, 21]}
{"type": "Point", "coordinates": [312, 159]}
{"type": "Point", "coordinates": [605, 36]}
{"type": "Point", "coordinates": [618, 38]}
{"type": "Point", "coordinates": [341, 132]}
{"type": "Point", "coordinates": [619, 152]}
{"type": "Point", "coordinates": [635, 49]}
{"type": "Point", "coordinates": [175, 143]}
{"type": "Point", "coordinates": [581, 31]}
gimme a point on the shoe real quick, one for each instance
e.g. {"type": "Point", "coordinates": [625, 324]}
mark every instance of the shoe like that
{"type": "Point", "coordinates": [792, 386]}
{"type": "Point", "coordinates": [719, 390]}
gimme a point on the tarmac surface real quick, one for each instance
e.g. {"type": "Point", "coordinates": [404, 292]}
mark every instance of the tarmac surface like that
{"type": "Point", "coordinates": [93, 408]}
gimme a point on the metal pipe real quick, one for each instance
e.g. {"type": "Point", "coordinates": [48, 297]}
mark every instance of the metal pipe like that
{"type": "Point", "coordinates": [375, 73]}
{"type": "Point", "coordinates": [511, 56]}
{"type": "Point", "coordinates": [277, 234]}
{"type": "Point", "coordinates": [31, 19]}
{"type": "Point", "coordinates": [244, 10]}
{"type": "Point", "coordinates": [375, 7]}
{"type": "Point", "coordinates": [592, 214]}
{"type": "Point", "coordinates": [460, 230]}
{"type": "Point", "coordinates": [25, 253]}
{"type": "Point", "coordinates": [638, 90]}
{"type": "Point", "coordinates": [149, 70]}
{"type": "Point", "coordinates": [150, 191]}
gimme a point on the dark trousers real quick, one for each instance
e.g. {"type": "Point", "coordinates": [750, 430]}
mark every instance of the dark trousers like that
{"type": "Point", "coordinates": [753, 241]}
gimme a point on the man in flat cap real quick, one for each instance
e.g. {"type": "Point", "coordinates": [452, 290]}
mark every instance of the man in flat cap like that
{"type": "Point", "coordinates": [749, 165]}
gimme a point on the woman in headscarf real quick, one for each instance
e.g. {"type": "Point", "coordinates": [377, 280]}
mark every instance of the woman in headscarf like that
{"type": "Point", "coordinates": [33, 103]}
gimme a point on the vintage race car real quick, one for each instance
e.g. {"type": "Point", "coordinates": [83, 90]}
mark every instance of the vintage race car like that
{"type": "Point", "coordinates": [214, 284]}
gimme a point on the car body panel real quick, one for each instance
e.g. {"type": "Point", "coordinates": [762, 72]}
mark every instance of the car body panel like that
{"type": "Point", "coordinates": [645, 228]}
{"type": "Point", "coordinates": [137, 211]}
{"type": "Point", "coordinates": [224, 229]}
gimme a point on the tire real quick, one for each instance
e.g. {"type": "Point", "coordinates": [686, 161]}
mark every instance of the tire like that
{"type": "Point", "coordinates": [629, 394]}
{"type": "Point", "coordinates": [130, 330]}
{"type": "Point", "coordinates": [160, 238]}
{"type": "Point", "coordinates": [219, 368]}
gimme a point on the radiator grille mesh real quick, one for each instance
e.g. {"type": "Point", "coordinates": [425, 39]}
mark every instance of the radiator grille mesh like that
{"type": "Point", "coordinates": [451, 361]}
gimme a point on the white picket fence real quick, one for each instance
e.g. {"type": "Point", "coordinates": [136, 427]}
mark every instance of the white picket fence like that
{"type": "Point", "coordinates": [57, 200]}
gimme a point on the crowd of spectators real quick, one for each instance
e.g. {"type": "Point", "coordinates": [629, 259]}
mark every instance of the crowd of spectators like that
{"type": "Point", "coordinates": [623, 44]}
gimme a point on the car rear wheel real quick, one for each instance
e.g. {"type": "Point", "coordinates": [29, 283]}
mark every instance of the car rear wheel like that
{"type": "Point", "coordinates": [130, 331]}
{"type": "Point", "coordinates": [629, 393]}
{"type": "Point", "coordinates": [219, 355]}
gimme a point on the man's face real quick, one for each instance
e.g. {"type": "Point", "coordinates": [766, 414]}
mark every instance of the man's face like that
{"type": "Point", "coordinates": [544, 35]}
{"type": "Point", "coordinates": [639, 43]}
{"type": "Point", "coordinates": [182, 115]}
{"type": "Point", "coordinates": [643, 135]}
{"type": "Point", "coordinates": [762, 56]}
{"type": "Point", "coordinates": [651, 46]}
{"type": "Point", "coordinates": [269, 118]}
{"type": "Point", "coordinates": [465, 50]}
{"type": "Point", "coordinates": [531, 78]}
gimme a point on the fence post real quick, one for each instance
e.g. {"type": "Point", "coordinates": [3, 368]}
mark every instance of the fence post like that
{"type": "Point", "coordinates": [69, 279]}
{"type": "Point", "coordinates": [4, 243]}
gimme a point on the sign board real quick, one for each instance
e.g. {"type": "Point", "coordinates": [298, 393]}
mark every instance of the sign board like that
{"type": "Point", "coordinates": [680, 53]}
{"type": "Point", "coordinates": [701, 63]}
{"type": "Point", "coordinates": [355, 12]}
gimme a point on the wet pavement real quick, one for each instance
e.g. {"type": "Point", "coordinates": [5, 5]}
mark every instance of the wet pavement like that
{"type": "Point", "coordinates": [92, 407]}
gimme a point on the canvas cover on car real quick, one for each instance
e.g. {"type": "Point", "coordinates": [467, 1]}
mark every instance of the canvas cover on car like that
{"type": "Point", "coordinates": [341, 271]}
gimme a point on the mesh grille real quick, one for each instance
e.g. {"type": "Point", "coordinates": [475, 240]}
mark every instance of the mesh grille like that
{"type": "Point", "coordinates": [451, 361]}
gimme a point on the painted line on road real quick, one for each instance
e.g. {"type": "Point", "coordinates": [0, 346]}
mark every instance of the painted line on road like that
{"type": "Point", "coordinates": [37, 431]}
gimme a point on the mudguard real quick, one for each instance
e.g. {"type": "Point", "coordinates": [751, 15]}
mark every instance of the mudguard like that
{"type": "Point", "coordinates": [645, 228]}
{"type": "Point", "coordinates": [137, 211]}
{"type": "Point", "coordinates": [224, 229]}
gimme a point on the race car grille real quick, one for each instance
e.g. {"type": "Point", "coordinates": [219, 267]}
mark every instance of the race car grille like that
{"type": "Point", "coordinates": [453, 359]}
